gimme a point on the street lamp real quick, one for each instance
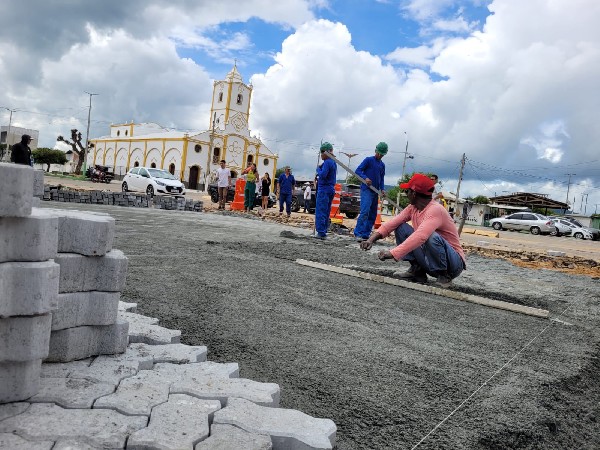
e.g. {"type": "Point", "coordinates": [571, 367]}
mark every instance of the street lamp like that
{"type": "Point", "coordinates": [87, 133]}
{"type": "Point", "coordinates": [350, 156]}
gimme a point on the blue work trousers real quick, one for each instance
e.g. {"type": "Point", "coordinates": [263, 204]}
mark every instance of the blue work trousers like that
{"type": "Point", "coordinates": [322, 210]}
{"type": "Point", "coordinates": [287, 199]}
{"type": "Point", "coordinates": [368, 213]}
{"type": "Point", "coordinates": [435, 256]}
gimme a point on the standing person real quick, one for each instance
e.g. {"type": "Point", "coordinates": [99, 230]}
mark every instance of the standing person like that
{"type": "Point", "coordinates": [21, 153]}
{"type": "Point", "coordinates": [265, 188]}
{"type": "Point", "coordinates": [286, 183]}
{"type": "Point", "coordinates": [432, 247]}
{"type": "Point", "coordinates": [307, 196]}
{"type": "Point", "coordinates": [437, 195]}
{"type": "Point", "coordinates": [372, 169]}
{"type": "Point", "coordinates": [327, 173]}
{"type": "Point", "coordinates": [223, 182]}
{"type": "Point", "coordinates": [250, 189]}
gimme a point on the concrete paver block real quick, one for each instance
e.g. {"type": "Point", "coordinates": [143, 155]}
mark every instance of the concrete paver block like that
{"type": "Point", "coordinates": [137, 395]}
{"type": "Point", "coordinates": [72, 444]}
{"type": "Point", "coordinates": [98, 428]}
{"type": "Point", "coordinates": [82, 342]}
{"type": "Point", "coordinates": [127, 307]}
{"type": "Point", "coordinates": [63, 370]}
{"type": "Point", "coordinates": [145, 361]}
{"type": "Point", "coordinates": [16, 185]}
{"type": "Point", "coordinates": [71, 392]}
{"type": "Point", "coordinates": [12, 409]}
{"type": "Point", "coordinates": [31, 238]}
{"type": "Point", "coordinates": [143, 329]}
{"type": "Point", "coordinates": [169, 353]}
{"type": "Point", "coordinates": [179, 423]}
{"type": "Point", "coordinates": [79, 273]}
{"type": "Point", "coordinates": [38, 183]}
{"type": "Point", "coordinates": [288, 428]}
{"type": "Point", "coordinates": [14, 442]}
{"type": "Point", "coordinates": [108, 369]}
{"type": "Point", "coordinates": [24, 338]}
{"type": "Point", "coordinates": [28, 288]}
{"type": "Point", "coordinates": [227, 437]}
{"type": "Point", "coordinates": [84, 233]}
{"type": "Point", "coordinates": [19, 380]}
{"type": "Point", "coordinates": [75, 309]}
{"type": "Point", "coordinates": [223, 389]}
{"type": "Point", "coordinates": [195, 371]}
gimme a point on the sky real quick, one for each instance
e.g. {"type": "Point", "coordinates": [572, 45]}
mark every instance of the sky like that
{"type": "Point", "coordinates": [511, 84]}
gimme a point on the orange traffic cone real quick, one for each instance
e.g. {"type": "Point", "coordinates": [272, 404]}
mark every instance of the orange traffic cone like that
{"type": "Point", "coordinates": [378, 218]}
{"type": "Point", "coordinates": [238, 199]}
{"type": "Point", "coordinates": [334, 214]}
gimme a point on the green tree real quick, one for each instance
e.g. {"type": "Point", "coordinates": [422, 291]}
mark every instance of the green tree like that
{"type": "Point", "coordinates": [76, 146]}
{"type": "Point", "coordinates": [481, 199]}
{"type": "Point", "coordinates": [353, 179]}
{"type": "Point", "coordinates": [49, 156]}
{"type": "Point", "coordinates": [279, 171]}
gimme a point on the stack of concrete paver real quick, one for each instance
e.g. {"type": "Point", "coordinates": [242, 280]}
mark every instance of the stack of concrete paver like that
{"type": "Point", "coordinates": [28, 283]}
{"type": "Point", "coordinates": [102, 393]}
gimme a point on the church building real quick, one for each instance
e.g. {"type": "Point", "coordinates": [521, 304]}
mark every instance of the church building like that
{"type": "Point", "coordinates": [192, 157]}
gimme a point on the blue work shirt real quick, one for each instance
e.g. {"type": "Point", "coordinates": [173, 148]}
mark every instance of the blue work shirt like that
{"type": "Point", "coordinates": [286, 184]}
{"type": "Point", "coordinates": [327, 173]}
{"type": "Point", "coordinates": [372, 169]}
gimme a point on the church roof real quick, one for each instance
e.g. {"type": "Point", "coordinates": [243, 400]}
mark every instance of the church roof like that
{"type": "Point", "coordinates": [234, 75]}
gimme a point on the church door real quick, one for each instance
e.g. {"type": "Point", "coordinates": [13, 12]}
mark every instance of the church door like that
{"type": "Point", "coordinates": [194, 173]}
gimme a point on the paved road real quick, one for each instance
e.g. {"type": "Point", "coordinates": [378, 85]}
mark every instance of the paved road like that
{"type": "Point", "coordinates": [388, 365]}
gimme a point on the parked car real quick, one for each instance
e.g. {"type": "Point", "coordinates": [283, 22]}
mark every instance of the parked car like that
{"type": "Point", "coordinates": [298, 198]}
{"type": "Point", "coordinates": [214, 195]}
{"type": "Point", "coordinates": [595, 232]}
{"type": "Point", "coordinates": [561, 227]}
{"type": "Point", "coordinates": [350, 200]}
{"type": "Point", "coordinates": [524, 221]}
{"type": "Point", "coordinates": [152, 181]}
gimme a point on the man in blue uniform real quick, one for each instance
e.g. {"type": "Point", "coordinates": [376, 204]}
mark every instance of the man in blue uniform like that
{"type": "Point", "coordinates": [327, 173]}
{"type": "Point", "coordinates": [372, 170]}
{"type": "Point", "coordinates": [286, 184]}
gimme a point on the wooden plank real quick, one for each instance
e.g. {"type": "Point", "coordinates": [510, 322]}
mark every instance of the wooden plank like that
{"type": "Point", "coordinates": [528, 310]}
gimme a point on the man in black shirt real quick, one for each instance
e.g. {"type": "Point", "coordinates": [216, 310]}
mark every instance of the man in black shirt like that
{"type": "Point", "coordinates": [21, 153]}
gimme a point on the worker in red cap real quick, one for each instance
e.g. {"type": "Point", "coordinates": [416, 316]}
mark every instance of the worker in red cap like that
{"type": "Point", "coordinates": [432, 247]}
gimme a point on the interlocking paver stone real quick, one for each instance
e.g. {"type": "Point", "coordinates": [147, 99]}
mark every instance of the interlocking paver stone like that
{"type": "Point", "coordinates": [170, 353]}
{"type": "Point", "coordinates": [12, 409]}
{"type": "Point", "coordinates": [16, 185]}
{"type": "Point", "coordinates": [179, 423]}
{"type": "Point", "coordinates": [90, 234]}
{"type": "Point", "coordinates": [137, 395]}
{"type": "Point", "coordinates": [201, 370]}
{"type": "Point", "coordinates": [63, 370]}
{"type": "Point", "coordinates": [108, 369]}
{"type": "Point", "coordinates": [24, 338]}
{"type": "Point", "coordinates": [19, 380]}
{"type": "Point", "coordinates": [128, 307]}
{"type": "Point", "coordinates": [80, 273]}
{"type": "Point", "coordinates": [13, 442]}
{"type": "Point", "coordinates": [82, 342]}
{"type": "Point", "coordinates": [223, 389]}
{"type": "Point", "coordinates": [32, 238]}
{"type": "Point", "coordinates": [28, 288]}
{"type": "Point", "coordinates": [71, 392]}
{"type": "Point", "coordinates": [96, 427]}
{"type": "Point", "coordinates": [227, 437]}
{"type": "Point", "coordinates": [288, 428]}
{"type": "Point", "coordinates": [38, 183]}
{"type": "Point", "coordinates": [142, 329]}
{"type": "Point", "coordinates": [85, 308]}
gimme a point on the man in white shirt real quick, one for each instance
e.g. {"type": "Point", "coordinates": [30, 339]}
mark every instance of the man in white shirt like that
{"type": "Point", "coordinates": [307, 196]}
{"type": "Point", "coordinates": [223, 182]}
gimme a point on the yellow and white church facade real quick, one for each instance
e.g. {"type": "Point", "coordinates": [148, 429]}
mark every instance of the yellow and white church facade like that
{"type": "Point", "coordinates": [192, 157]}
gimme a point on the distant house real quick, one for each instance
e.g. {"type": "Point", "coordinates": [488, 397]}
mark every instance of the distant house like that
{"type": "Point", "coordinates": [193, 156]}
{"type": "Point", "coordinates": [15, 136]}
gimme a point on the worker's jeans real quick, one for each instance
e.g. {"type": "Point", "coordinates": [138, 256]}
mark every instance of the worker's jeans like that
{"type": "Point", "coordinates": [435, 256]}
{"type": "Point", "coordinates": [249, 195]}
{"type": "Point", "coordinates": [287, 199]}
{"type": "Point", "coordinates": [322, 210]}
{"type": "Point", "coordinates": [368, 213]}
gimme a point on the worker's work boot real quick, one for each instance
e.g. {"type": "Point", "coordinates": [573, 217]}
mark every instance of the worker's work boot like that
{"type": "Point", "coordinates": [414, 273]}
{"type": "Point", "coordinates": [443, 281]}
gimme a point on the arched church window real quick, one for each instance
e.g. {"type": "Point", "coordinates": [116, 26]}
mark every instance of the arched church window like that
{"type": "Point", "coordinates": [220, 96]}
{"type": "Point", "coordinates": [125, 132]}
{"type": "Point", "coordinates": [239, 99]}
{"type": "Point", "coordinates": [172, 168]}
{"type": "Point", "coordinates": [266, 161]}
{"type": "Point", "coordinates": [136, 164]}
{"type": "Point", "coordinates": [197, 148]}
{"type": "Point", "coordinates": [250, 159]}
{"type": "Point", "coordinates": [216, 155]}
{"type": "Point", "coordinates": [118, 132]}
{"type": "Point", "coordinates": [153, 165]}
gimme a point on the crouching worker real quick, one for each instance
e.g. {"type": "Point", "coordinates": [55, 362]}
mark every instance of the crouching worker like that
{"type": "Point", "coordinates": [432, 247]}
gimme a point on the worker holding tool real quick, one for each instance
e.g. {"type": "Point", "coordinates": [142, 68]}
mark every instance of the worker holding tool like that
{"type": "Point", "coordinates": [372, 169]}
{"type": "Point", "coordinates": [327, 173]}
{"type": "Point", "coordinates": [432, 247]}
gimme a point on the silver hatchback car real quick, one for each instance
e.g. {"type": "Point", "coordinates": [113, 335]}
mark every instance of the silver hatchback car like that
{"type": "Point", "coordinates": [524, 221]}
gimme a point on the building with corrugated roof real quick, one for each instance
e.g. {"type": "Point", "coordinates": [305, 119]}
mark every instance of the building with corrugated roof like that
{"type": "Point", "coordinates": [193, 157]}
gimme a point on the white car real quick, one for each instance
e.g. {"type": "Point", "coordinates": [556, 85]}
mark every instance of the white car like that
{"type": "Point", "coordinates": [152, 181]}
{"type": "Point", "coordinates": [562, 227]}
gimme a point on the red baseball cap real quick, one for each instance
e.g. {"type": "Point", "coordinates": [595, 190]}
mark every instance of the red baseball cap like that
{"type": "Point", "coordinates": [419, 183]}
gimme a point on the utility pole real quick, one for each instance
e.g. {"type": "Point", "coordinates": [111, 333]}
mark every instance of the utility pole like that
{"type": "Point", "coordinates": [406, 155]}
{"type": "Point", "coordinates": [87, 133]}
{"type": "Point", "coordinates": [581, 205]}
{"type": "Point", "coordinates": [350, 156]}
{"type": "Point", "coordinates": [210, 151]}
{"type": "Point", "coordinates": [568, 188]}
{"type": "Point", "coordinates": [460, 174]}
{"type": "Point", "coordinates": [6, 154]}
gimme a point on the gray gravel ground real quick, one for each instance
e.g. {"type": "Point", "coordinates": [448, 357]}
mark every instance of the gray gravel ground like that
{"type": "Point", "coordinates": [389, 365]}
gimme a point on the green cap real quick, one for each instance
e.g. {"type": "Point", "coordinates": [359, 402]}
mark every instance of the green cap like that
{"type": "Point", "coordinates": [326, 147]}
{"type": "Point", "coordinates": [381, 148]}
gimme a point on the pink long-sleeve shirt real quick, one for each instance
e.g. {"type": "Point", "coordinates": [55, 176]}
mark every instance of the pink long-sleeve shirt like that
{"type": "Point", "coordinates": [433, 218]}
